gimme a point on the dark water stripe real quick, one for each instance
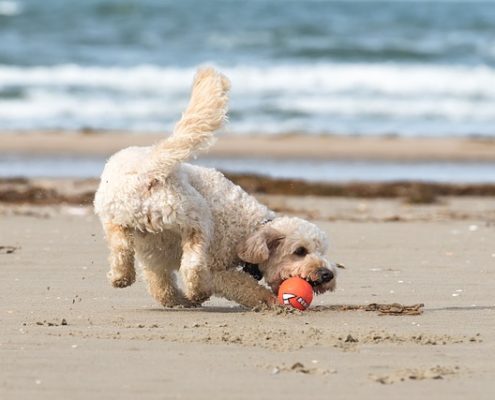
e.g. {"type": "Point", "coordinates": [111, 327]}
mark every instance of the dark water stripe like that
{"type": "Point", "coordinates": [315, 171]}
{"type": "Point", "coordinates": [188, 32]}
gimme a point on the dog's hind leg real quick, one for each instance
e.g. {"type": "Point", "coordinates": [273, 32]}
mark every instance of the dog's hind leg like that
{"type": "Point", "coordinates": [120, 242]}
{"type": "Point", "coordinates": [194, 268]}
{"type": "Point", "coordinates": [162, 286]}
{"type": "Point", "coordinates": [160, 255]}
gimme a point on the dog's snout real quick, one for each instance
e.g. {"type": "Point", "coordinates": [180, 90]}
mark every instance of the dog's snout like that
{"type": "Point", "coordinates": [325, 275]}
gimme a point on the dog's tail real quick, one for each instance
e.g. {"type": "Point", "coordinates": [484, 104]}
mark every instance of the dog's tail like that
{"type": "Point", "coordinates": [205, 114]}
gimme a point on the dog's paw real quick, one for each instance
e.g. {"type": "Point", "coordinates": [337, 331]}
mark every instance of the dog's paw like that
{"type": "Point", "coordinates": [189, 304]}
{"type": "Point", "coordinates": [268, 302]}
{"type": "Point", "coordinates": [177, 301]}
{"type": "Point", "coordinates": [121, 280]}
{"type": "Point", "coordinates": [275, 309]}
{"type": "Point", "coordinates": [196, 294]}
{"type": "Point", "coordinates": [196, 299]}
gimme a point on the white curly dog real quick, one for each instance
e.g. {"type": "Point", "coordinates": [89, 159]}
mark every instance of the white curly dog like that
{"type": "Point", "coordinates": [171, 216]}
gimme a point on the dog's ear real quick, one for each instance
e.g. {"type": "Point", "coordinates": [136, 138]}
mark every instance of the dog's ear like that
{"type": "Point", "coordinates": [255, 249]}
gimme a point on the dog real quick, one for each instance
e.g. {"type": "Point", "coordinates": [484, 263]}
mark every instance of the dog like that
{"type": "Point", "coordinates": [170, 216]}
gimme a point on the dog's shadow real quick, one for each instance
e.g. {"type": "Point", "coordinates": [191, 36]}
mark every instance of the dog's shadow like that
{"type": "Point", "coordinates": [207, 309]}
{"type": "Point", "coordinates": [381, 309]}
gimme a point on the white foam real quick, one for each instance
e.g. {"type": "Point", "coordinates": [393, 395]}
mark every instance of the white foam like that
{"type": "Point", "coordinates": [145, 78]}
{"type": "Point", "coordinates": [451, 108]}
{"type": "Point", "coordinates": [355, 98]}
{"type": "Point", "coordinates": [335, 78]}
{"type": "Point", "coordinates": [373, 78]}
{"type": "Point", "coordinates": [10, 8]}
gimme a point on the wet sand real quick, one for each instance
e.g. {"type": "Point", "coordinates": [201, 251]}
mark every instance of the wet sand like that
{"type": "Point", "coordinates": [65, 333]}
{"type": "Point", "coordinates": [290, 146]}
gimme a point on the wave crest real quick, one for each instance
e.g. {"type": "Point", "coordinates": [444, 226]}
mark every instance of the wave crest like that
{"type": "Point", "coordinates": [322, 98]}
{"type": "Point", "coordinates": [10, 8]}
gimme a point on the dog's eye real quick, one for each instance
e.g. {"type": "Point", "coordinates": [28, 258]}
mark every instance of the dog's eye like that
{"type": "Point", "coordinates": [301, 251]}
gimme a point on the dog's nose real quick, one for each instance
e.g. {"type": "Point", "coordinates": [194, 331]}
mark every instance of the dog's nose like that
{"type": "Point", "coordinates": [325, 275]}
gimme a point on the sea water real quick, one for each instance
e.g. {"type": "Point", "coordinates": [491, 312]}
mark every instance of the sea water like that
{"type": "Point", "coordinates": [312, 67]}
{"type": "Point", "coordinates": [309, 170]}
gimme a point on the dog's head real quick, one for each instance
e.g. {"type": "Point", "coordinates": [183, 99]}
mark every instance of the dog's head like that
{"type": "Point", "coordinates": [288, 247]}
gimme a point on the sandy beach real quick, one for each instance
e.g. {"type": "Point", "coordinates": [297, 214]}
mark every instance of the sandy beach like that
{"type": "Point", "coordinates": [65, 333]}
{"type": "Point", "coordinates": [291, 146]}
{"type": "Point", "coordinates": [375, 123]}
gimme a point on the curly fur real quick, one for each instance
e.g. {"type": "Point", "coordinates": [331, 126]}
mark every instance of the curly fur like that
{"type": "Point", "coordinates": [170, 215]}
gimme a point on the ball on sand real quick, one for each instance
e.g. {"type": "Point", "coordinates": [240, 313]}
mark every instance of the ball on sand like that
{"type": "Point", "coordinates": [295, 292]}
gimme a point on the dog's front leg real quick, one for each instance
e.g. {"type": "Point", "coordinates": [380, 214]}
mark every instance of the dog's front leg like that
{"type": "Point", "coordinates": [242, 288]}
{"type": "Point", "coordinates": [120, 242]}
{"type": "Point", "coordinates": [194, 268]}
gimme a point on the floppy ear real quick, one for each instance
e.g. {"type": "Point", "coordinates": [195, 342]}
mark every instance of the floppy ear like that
{"type": "Point", "coordinates": [256, 248]}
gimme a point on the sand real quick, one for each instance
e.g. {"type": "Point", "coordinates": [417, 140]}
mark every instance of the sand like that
{"type": "Point", "coordinates": [293, 146]}
{"type": "Point", "coordinates": [65, 333]}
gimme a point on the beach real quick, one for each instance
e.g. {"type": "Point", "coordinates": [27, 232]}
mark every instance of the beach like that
{"type": "Point", "coordinates": [65, 332]}
{"type": "Point", "coordinates": [412, 315]}
{"type": "Point", "coordinates": [375, 123]}
{"type": "Point", "coordinates": [287, 146]}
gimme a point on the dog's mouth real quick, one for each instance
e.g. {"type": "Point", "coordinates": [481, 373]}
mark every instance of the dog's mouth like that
{"type": "Point", "coordinates": [320, 277]}
{"type": "Point", "coordinates": [314, 283]}
{"type": "Point", "coordinates": [321, 280]}
{"type": "Point", "coordinates": [318, 286]}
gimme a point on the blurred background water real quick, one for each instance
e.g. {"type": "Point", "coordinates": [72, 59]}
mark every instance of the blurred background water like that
{"type": "Point", "coordinates": [312, 67]}
{"type": "Point", "coordinates": [308, 170]}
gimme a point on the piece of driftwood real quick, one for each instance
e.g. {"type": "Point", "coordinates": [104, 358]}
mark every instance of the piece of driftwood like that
{"type": "Point", "coordinates": [381, 309]}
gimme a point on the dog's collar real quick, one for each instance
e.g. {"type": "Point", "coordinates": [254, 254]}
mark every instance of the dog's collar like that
{"type": "Point", "coordinates": [266, 221]}
{"type": "Point", "coordinates": [253, 270]}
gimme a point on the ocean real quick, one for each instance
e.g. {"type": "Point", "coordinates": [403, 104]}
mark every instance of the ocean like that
{"type": "Point", "coordinates": [406, 68]}
{"type": "Point", "coordinates": [307, 170]}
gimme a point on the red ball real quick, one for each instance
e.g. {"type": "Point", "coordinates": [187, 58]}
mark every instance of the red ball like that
{"type": "Point", "coordinates": [296, 292]}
